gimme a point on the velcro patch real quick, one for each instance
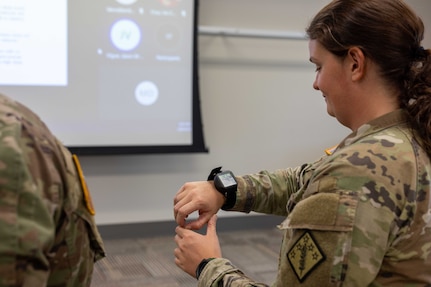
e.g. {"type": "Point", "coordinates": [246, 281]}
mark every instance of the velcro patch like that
{"type": "Point", "coordinates": [304, 256]}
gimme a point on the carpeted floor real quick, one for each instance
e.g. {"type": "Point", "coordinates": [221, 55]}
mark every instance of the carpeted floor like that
{"type": "Point", "coordinates": [149, 262]}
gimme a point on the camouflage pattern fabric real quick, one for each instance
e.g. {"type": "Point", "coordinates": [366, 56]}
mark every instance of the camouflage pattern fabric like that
{"type": "Point", "coordinates": [47, 235]}
{"type": "Point", "coordinates": [358, 217]}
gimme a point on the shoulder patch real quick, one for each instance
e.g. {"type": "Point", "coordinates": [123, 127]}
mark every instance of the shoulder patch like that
{"type": "Point", "coordinates": [87, 196]}
{"type": "Point", "coordinates": [304, 256]}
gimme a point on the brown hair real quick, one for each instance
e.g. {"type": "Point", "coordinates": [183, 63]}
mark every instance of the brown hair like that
{"type": "Point", "coordinates": [390, 34]}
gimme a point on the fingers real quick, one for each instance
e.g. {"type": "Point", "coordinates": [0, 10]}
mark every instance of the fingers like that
{"type": "Point", "coordinates": [178, 258]}
{"type": "Point", "coordinates": [179, 195]}
{"type": "Point", "coordinates": [199, 222]}
{"type": "Point", "coordinates": [177, 201]}
{"type": "Point", "coordinates": [184, 241]}
{"type": "Point", "coordinates": [182, 211]}
{"type": "Point", "coordinates": [192, 247]}
{"type": "Point", "coordinates": [179, 233]}
{"type": "Point", "coordinates": [187, 201]}
{"type": "Point", "coordinates": [184, 203]}
{"type": "Point", "coordinates": [182, 207]}
{"type": "Point", "coordinates": [212, 224]}
{"type": "Point", "coordinates": [193, 197]}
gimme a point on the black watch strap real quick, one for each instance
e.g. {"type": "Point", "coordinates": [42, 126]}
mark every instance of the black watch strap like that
{"type": "Point", "coordinates": [230, 201]}
{"type": "Point", "coordinates": [230, 195]}
{"type": "Point", "coordinates": [201, 266]}
{"type": "Point", "coordinates": [214, 172]}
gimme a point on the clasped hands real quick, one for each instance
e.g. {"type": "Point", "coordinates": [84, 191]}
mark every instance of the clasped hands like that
{"type": "Point", "coordinates": [192, 246]}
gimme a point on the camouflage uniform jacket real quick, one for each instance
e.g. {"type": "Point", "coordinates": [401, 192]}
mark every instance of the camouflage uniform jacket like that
{"type": "Point", "coordinates": [358, 217]}
{"type": "Point", "coordinates": [48, 236]}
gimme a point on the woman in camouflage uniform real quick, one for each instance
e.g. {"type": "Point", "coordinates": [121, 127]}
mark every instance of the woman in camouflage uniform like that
{"type": "Point", "coordinates": [361, 215]}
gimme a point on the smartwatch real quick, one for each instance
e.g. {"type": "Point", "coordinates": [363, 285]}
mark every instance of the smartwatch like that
{"type": "Point", "coordinates": [226, 184]}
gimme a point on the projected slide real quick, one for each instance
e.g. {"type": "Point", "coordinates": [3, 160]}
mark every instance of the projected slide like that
{"type": "Point", "coordinates": [144, 63]}
{"type": "Point", "coordinates": [33, 49]}
{"type": "Point", "coordinates": [105, 72]}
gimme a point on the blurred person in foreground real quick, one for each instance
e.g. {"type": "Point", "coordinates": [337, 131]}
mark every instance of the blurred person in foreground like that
{"type": "Point", "coordinates": [48, 236]}
{"type": "Point", "coordinates": [360, 215]}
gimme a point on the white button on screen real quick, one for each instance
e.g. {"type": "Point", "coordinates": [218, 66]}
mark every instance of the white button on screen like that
{"type": "Point", "coordinates": [146, 93]}
{"type": "Point", "coordinates": [125, 35]}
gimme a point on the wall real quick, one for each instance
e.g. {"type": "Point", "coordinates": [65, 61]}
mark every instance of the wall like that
{"type": "Point", "coordinates": [259, 112]}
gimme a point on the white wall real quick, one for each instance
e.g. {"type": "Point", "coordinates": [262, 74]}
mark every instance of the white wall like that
{"type": "Point", "coordinates": [259, 112]}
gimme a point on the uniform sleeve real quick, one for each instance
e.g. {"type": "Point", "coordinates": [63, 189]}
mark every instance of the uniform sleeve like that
{"type": "Point", "coordinates": [348, 217]}
{"type": "Point", "coordinates": [77, 241]}
{"type": "Point", "coordinates": [47, 233]}
{"type": "Point", "coordinates": [263, 192]}
{"type": "Point", "coordinates": [27, 227]}
{"type": "Point", "coordinates": [268, 192]}
{"type": "Point", "coordinates": [221, 272]}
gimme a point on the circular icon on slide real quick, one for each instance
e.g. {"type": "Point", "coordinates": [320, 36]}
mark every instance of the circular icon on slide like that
{"type": "Point", "coordinates": [168, 36]}
{"type": "Point", "coordinates": [126, 2]}
{"type": "Point", "coordinates": [146, 93]}
{"type": "Point", "coordinates": [125, 35]}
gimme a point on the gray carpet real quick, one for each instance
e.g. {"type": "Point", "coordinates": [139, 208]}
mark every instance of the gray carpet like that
{"type": "Point", "coordinates": [149, 261]}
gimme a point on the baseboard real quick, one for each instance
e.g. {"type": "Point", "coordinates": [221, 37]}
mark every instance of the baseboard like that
{"type": "Point", "coordinates": [164, 228]}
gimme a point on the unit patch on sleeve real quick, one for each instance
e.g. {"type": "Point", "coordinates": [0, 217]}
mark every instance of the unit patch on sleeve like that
{"type": "Point", "coordinates": [87, 195]}
{"type": "Point", "coordinates": [304, 256]}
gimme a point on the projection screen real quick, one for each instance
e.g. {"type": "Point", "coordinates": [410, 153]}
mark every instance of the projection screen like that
{"type": "Point", "coordinates": [106, 76]}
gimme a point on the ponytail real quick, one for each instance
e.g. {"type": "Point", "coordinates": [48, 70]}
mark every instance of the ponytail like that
{"type": "Point", "coordinates": [417, 97]}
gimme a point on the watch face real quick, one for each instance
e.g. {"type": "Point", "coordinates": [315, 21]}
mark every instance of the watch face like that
{"type": "Point", "coordinates": [227, 179]}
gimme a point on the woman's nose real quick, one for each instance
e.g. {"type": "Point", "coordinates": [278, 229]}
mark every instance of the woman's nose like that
{"type": "Point", "coordinates": [315, 86]}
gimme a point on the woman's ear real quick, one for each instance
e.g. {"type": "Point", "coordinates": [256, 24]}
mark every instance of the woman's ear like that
{"type": "Point", "coordinates": [356, 63]}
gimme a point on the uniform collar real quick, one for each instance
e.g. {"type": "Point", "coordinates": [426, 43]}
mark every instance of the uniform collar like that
{"type": "Point", "coordinates": [397, 117]}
